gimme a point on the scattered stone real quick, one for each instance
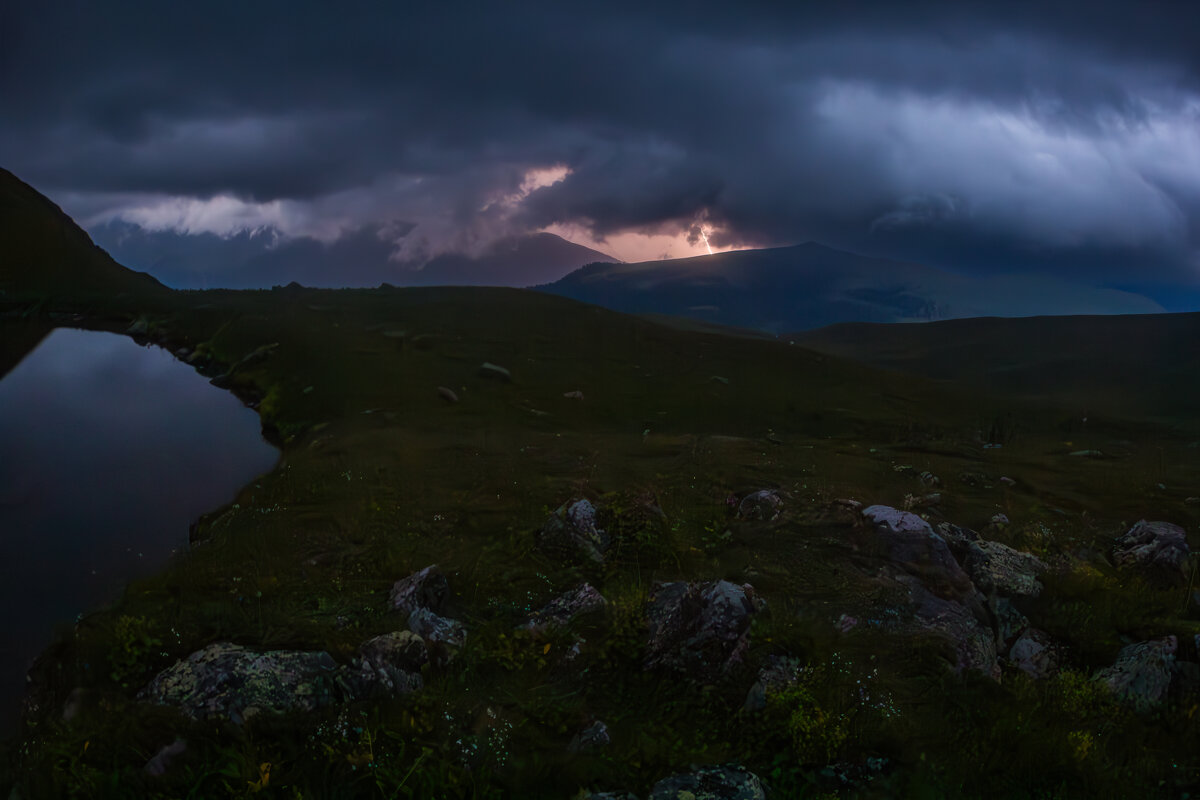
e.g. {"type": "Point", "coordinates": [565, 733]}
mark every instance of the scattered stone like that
{"type": "Point", "coordinates": [699, 629]}
{"type": "Point", "coordinates": [560, 611]}
{"type": "Point", "coordinates": [929, 479]}
{"type": "Point", "coordinates": [443, 636]}
{"type": "Point", "coordinates": [426, 588]}
{"type": "Point", "coordinates": [973, 478]}
{"type": "Point", "coordinates": [909, 541]}
{"type": "Point", "coordinates": [732, 782]}
{"type": "Point", "coordinates": [776, 675]}
{"type": "Point", "coordinates": [904, 469]}
{"type": "Point", "coordinates": [764, 504]}
{"type": "Point", "coordinates": [140, 327]}
{"type": "Point", "coordinates": [1193, 501]}
{"type": "Point", "coordinates": [1010, 623]}
{"type": "Point", "coordinates": [571, 533]}
{"type": "Point", "coordinates": [999, 519]}
{"type": "Point", "coordinates": [1035, 654]}
{"type": "Point", "coordinates": [494, 371]}
{"type": "Point", "coordinates": [389, 664]}
{"type": "Point", "coordinates": [228, 680]}
{"type": "Point", "coordinates": [575, 395]}
{"type": "Point", "coordinates": [922, 501]}
{"type": "Point", "coordinates": [1007, 481]}
{"type": "Point", "coordinates": [846, 623]}
{"type": "Point", "coordinates": [447, 394]}
{"type": "Point", "coordinates": [1158, 550]}
{"type": "Point", "coordinates": [592, 738]}
{"type": "Point", "coordinates": [157, 766]}
{"type": "Point", "coordinates": [1086, 453]}
{"type": "Point", "coordinates": [1141, 675]}
{"type": "Point", "coordinates": [851, 505]}
{"type": "Point", "coordinates": [718, 379]}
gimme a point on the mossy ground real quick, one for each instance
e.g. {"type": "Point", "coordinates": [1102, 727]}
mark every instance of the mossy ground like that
{"type": "Point", "coordinates": [380, 477]}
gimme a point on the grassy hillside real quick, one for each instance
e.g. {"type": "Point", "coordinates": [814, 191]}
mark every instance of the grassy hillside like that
{"type": "Point", "coordinates": [1131, 366]}
{"type": "Point", "coordinates": [46, 255]}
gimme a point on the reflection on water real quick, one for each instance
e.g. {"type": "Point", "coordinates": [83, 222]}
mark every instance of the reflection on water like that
{"type": "Point", "coordinates": [108, 451]}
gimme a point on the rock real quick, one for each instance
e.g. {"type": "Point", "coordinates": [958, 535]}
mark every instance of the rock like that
{"type": "Point", "coordinates": [575, 395]}
{"type": "Point", "coordinates": [443, 636]}
{"type": "Point", "coordinates": [426, 588]}
{"type": "Point", "coordinates": [973, 478]}
{"type": "Point", "coordinates": [560, 611]}
{"type": "Point", "coordinates": [140, 327]}
{"type": "Point", "coordinates": [495, 372]}
{"type": "Point", "coordinates": [929, 479]}
{"type": "Point", "coordinates": [447, 394]}
{"type": "Point", "coordinates": [590, 739]}
{"type": "Point", "coordinates": [848, 504]}
{"type": "Point", "coordinates": [999, 520]}
{"type": "Point", "coordinates": [228, 680]}
{"type": "Point", "coordinates": [699, 629]}
{"type": "Point", "coordinates": [1158, 550]}
{"type": "Point", "coordinates": [1141, 675]}
{"type": "Point", "coordinates": [571, 533]}
{"type": "Point", "coordinates": [777, 674]}
{"type": "Point", "coordinates": [389, 665]}
{"type": "Point", "coordinates": [1010, 623]}
{"type": "Point", "coordinates": [1009, 571]}
{"type": "Point", "coordinates": [718, 379]}
{"type": "Point", "coordinates": [909, 541]}
{"type": "Point", "coordinates": [1193, 501]}
{"type": "Point", "coordinates": [972, 644]}
{"type": "Point", "coordinates": [1035, 654]}
{"type": "Point", "coordinates": [922, 501]}
{"type": "Point", "coordinates": [1087, 453]}
{"type": "Point", "coordinates": [765, 504]}
{"type": "Point", "coordinates": [157, 766]}
{"type": "Point", "coordinates": [610, 796]}
{"type": "Point", "coordinates": [77, 701]}
{"type": "Point", "coordinates": [1007, 481]}
{"type": "Point", "coordinates": [730, 782]}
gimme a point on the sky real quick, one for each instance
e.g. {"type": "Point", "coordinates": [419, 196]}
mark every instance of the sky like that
{"type": "Point", "coordinates": [1017, 136]}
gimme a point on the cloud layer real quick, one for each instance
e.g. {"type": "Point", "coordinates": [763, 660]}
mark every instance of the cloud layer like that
{"type": "Point", "coordinates": [1019, 136]}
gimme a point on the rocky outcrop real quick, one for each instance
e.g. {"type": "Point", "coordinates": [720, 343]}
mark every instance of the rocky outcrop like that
{"type": "Point", "coordinates": [1007, 571]}
{"type": "Point", "coordinates": [571, 534]}
{"type": "Point", "coordinates": [1141, 675]}
{"type": "Point", "coordinates": [388, 665]}
{"type": "Point", "coordinates": [443, 636]}
{"type": "Point", "coordinates": [1035, 654]}
{"type": "Point", "coordinates": [909, 542]}
{"type": "Point", "coordinates": [698, 629]}
{"type": "Point", "coordinates": [972, 645]}
{"type": "Point", "coordinates": [1157, 550]}
{"type": "Point", "coordinates": [730, 782]}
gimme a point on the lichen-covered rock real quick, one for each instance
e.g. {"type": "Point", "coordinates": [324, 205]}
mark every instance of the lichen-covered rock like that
{"type": "Point", "coordinates": [909, 542]}
{"type": "Point", "coordinates": [592, 738]}
{"type": "Point", "coordinates": [571, 533]}
{"type": "Point", "coordinates": [443, 636]}
{"type": "Point", "coordinates": [1158, 550]}
{"type": "Point", "coordinates": [1034, 653]}
{"type": "Point", "coordinates": [389, 664]}
{"type": "Point", "coordinates": [426, 588]}
{"type": "Point", "coordinates": [1141, 675]}
{"type": "Point", "coordinates": [228, 680]}
{"type": "Point", "coordinates": [560, 611]}
{"type": "Point", "coordinates": [764, 504]}
{"type": "Point", "coordinates": [1010, 622]}
{"type": "Point", "coordinates": [699, 629]}
{"type": "Point", "coordinates": [730, 782]}
{"type": "Point", "coordinates": [1010, 572]}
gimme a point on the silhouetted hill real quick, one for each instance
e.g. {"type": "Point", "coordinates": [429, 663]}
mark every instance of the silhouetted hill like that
{"type": "Point", "coordinates": [1128, 364]}
{"type": "Point", "coordinates": [359, 258]}
{"type": "Point", "coordinates": [809, 286]}
{"type": "Point", "coordinates": [44, 253]}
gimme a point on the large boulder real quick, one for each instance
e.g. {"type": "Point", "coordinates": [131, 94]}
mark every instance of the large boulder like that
{"type": "Point", "coordinates": [560, 611]}
{"type": "Point", "coordinates": [426, 588]}
{"type": "Point", "coordinates": [1158, 550]}
{"type": "Point", "coordinates": [909, 542]}
{"type": "Point", "coordinates": [443, 636]}
{"type": "Point", "coordinates": [699, 629]}
{"type": "Point", "coordinates": [571, 533]}
{"type": "Point", "coordinates": [1141, 675]}
{"type": "Point", "coordinates": [228, 680]}
{"type": "Point", "coordinates": [730, 782]}
{"type": "Point", "coordinates": [971, 645]}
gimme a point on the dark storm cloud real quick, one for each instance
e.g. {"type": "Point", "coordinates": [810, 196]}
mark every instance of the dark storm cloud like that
{"type": "Point", "coordinates": [1010, 136]}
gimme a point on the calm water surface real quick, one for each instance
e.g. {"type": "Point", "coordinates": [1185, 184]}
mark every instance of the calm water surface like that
{"type": "Point", "coordinates": [108, 452]}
